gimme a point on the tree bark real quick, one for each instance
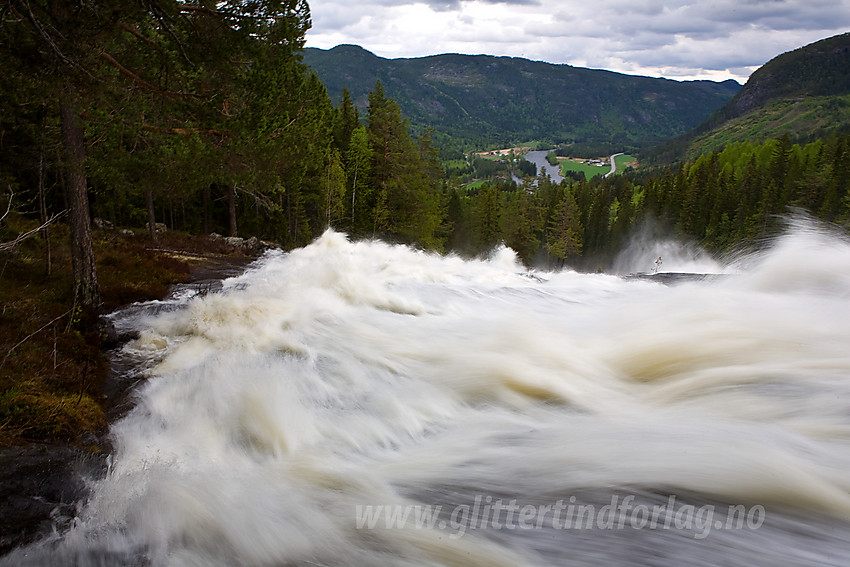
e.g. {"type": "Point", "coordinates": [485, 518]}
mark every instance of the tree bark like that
{"type": "Point", "coordinates": [42, 213]}
{"type": "Point", "coordinates": [206, 205]}
{"type": "Point", "coordinates": [151, 213]}
{"type": "Point", "coordinates": [86, 292]}
{"type": "Point", "coordinates": [231, 201]}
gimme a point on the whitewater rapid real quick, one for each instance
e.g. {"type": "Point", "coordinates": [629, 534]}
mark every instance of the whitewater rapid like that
{"type": "Point", "coordinates": [359, 403]}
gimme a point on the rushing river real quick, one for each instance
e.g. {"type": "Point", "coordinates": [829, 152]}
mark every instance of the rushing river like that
{"type": "Point", "coordinates": [361, 404]}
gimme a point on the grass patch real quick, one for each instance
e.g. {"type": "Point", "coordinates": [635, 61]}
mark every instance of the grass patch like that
{"type": "Point", "coordinates": [476, 184]}
{"type": "Point", "coordinates": [576, 164]}
{"type": "Point", "coordinates": [623, 161]}
{"type": "Point", "coordinates": [579, 165]}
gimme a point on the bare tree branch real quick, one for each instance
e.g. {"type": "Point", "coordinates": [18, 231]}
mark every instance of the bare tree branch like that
{"type": "Point", "coordinates": [259, 198]}
{"type": "Point", "coordinates": [140, 81]}
{"type": "Point", "coordinates": [125, 71]}
{"type": "Point", "coordinates": [12, 244]}
{"type": "Point", "coordinates": [9, 205]}
{"type": "Point", "coordinates": [36, 23]}
{"type": "Point", "coordinates": [31, 335]}
{"type": "Point", "coordinates": [132, 30]}
{"type": "Point", "coordinates": [161, 17]}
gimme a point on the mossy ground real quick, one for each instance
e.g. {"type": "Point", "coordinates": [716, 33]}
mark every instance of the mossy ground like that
{"type": "Point", "coordinates": [51, 366]}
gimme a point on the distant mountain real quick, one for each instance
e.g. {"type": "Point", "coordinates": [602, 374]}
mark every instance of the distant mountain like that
{"type": "Point", "coordinates": [481, 99]}
{"type": "Point", "coordinates": [803, 93]}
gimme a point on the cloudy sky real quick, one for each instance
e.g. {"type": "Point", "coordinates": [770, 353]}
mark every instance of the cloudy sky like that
{"type": "Point", "coordinates": [677, 39]}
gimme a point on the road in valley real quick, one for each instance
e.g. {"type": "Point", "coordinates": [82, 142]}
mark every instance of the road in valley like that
{"type": "Point", "coordinates": [613, 165]}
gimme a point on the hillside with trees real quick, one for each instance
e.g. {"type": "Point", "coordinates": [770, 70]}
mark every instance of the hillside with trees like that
{"type": "Point", "coordinates": [483, 101]}
{"type": "Point", "coordinates": [804, 94]}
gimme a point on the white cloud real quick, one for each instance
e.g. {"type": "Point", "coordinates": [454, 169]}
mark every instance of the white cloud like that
{"type": "Point", "coordinates": [680, 39]}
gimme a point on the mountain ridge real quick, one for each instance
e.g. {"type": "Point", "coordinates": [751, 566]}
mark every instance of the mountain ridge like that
{"type": "Point", "coordinates": [486, 99]}
{"type": "Point", "coordinates": [803, 93]}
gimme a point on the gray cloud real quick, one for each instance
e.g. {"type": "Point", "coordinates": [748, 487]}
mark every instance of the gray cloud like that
{"type": "Point", "coordinates": [675, 38]}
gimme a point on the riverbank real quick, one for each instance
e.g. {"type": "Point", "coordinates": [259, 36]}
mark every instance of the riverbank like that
{"type": "Point", "coordinates": [54, 407]}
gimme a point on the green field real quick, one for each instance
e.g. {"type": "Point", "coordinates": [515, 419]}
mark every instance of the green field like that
{"type": "Point", "coordinates": [594, 170]}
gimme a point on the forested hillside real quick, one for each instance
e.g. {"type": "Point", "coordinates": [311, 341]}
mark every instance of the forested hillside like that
{"type": "Point", "coordinates": [481, 101]}
{"type": "Point", "coordinates": [804, 94]}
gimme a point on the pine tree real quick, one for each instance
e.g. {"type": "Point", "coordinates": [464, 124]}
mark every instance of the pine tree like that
{"type": "Point", "coordinates": [488, 216]}
{"type": "Point", "coordinates": [564, 234]}
{"type": "Point", "coordinates": [334, 189]}
{"type": "Point", "coordinates": [347, 120]}
{"type": "Point", "coordinates": [359, 159]}
{"type": "Point", "coordinates": [404, 174]}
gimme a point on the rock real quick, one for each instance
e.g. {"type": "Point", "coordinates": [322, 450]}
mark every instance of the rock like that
{"type": "Point", "coordinates": [235, 241]}
{"type": "Point", "coordinates": [110, 337]}
{"type": "Point", "coordinates": [102, 223]}
{"type": "Point", "coordinates": [216, 236]}
{"type": "Point", "coordinates": [40, 486]}
{"type": "Point", "coordinates": [251, 243]}
{"type": "Point", "coordinates": [265, 245]}
{"type": "Point", "coordinates": [126, 232]}
{"type": "Point", "coordinates": [107, 333]}
{"type": "Point", "coordinates": [669, 278]}
{"type": "Point", "coordinates": [158, 228]}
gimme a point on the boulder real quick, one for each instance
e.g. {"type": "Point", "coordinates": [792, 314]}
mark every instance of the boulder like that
{"type": "Point", "coordinates": [158, 228]}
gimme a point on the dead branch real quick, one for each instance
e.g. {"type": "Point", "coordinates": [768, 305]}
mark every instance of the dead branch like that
{"type": "Point", "coordinates": [12, 244]}
{"type": "Point", "coordinates": [280, 131]}
{"type": "Point", "coordinates": [125, 71]}
{"type": "Point", "coordinates": [9, 205]}
{"type": "Point", "coordinates": [182, 131]}
{"type": "Point", "coordinates": [140, 81]}
{"type": "Point", "coordinates": [36, 23]}
{"type": "Point", "coordinates": [200, 10]}
{"type": "Point", "coordinates": [31, 335]}
{"type": "Point", "coordinates": [132, 30]}
{"type": "Point", "coordinates": [259, 198]}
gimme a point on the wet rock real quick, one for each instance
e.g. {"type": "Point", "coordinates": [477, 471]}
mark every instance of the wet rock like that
{"type": "Point", "coordinates": [110, 337]}
{"type": "Point", "coordinates": [669, 278]}
{"type": "Point", "coordinates": [39, 488]}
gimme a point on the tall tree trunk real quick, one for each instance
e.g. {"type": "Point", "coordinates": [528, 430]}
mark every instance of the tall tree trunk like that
{"type": "Point", "coordinates": [206, 205]}
{"type": "Point", "coordinates": [353, 197]}
{"type": "Point", "coordinates": [151, 213]}
{"type": "Point", "coordinates": [231, 201]}
{"type": "Point", "coordinates": [42, 213]}
{"type": "Point", "coordinates": [86, 292]}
